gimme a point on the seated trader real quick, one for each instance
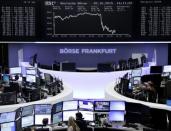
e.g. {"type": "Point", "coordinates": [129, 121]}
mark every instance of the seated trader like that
{"type": "Point", "coordinates": [45, 124]}
{"type": "Point", "coordinates": [149, 90]}
{"type": "Point", "coordinates": [72, 126]}
{"type": "Point", "coordinates": [81, 122]}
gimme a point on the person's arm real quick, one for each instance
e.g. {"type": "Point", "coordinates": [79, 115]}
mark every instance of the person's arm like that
{"type": "Point", "coordinates": [70, 128]}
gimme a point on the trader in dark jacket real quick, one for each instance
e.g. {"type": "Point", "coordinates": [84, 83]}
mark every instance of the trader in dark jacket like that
{"type": "Point", "coordinates": [81, 122]}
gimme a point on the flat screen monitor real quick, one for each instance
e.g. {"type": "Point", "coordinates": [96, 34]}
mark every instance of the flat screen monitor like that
{"type": "Point", "coordinates": [136, 72]}
{"type": "Point", "coordinates": [136, 80]}
{"type": "Point", "coordinates": [27, 121]}
{"type": "Point", "coordinates": [87, 115]}
{"type": "Point", "coordinates": [101, 106]}
{"type": "Point", "coordinates": [67, 114]}
{"type": "Point", "coordinates": [168, 102]}
{"type": "Point", "coordinates": [39, 119]}
{"type": "Point", "coordinates": [116, 116]}
{"type": "Point", "coordinates": [43, 109]}
{"type": "Point", "coordinates": [156, 69]}
{"type": "Point", "coordinates": [117, 105]}
{"type": "Point", "coordinates": [8, 126]}
{"type": "Point", "coordinates": [27, 110]}
{"type": "Point", "coordinates": [31, 78]}
{"type": "Point", "coordinates": [59, 107]}
{"type": "Point", "coordinates": [57, 118]}
{"type": "Point", "coordinates": [68, 66]}
{"type": "Point", "coordinates": [167, 68]}
{"type": "Point", "coordinates": [15, 70]}
{"type": "Point", "coordinates": [19, 78]}
{"type": "Point", "coordinates": [31, 71]}
{"type": "Point", "coordinates": [7, 117]}
{"type": "Point", "coordinates": [6, 78]}
{"type": "Point", "coordinates": [86, 105]}
{"type": "Point", "coordinates": [70, 105]}
{"type": "Point", "coordinates": [130, 86]}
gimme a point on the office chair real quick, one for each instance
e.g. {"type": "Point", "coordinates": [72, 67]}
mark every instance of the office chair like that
{"type": "Point", "coordinates": [122, 64]}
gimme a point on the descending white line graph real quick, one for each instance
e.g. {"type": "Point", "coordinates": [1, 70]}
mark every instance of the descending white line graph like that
{"type": "Point", "coordinates": [104, 27]}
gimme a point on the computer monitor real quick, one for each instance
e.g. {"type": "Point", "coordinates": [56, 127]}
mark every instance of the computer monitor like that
{"type": "Point", "coordinates": [167, 68]}
{"type": "Point", "coordinates": [8, 126]}
{"type": "Point", "coordinates": [43, 109]}
{"type": "Point", "coordinates": [168, 102]}
{"type": "Point", "coordinates": [27, 110]}
{"type": "Point", "coordinates": [117, 116]}
{"type": "Point", "coordinates": [15, 70]}
{"type": "Point", "coordinates": [56, 118]}
{"type": "Point", "coordinates": [117, 105]}
{"type": "Point", "coordinates": [87, 115]}
{"type": "Point", "coordinates": [31, 78]}
{"type": "Point", "coordinates": [39, 119]}
{"type": "Point", "coordinates": [67, 114]}
{"type": "Point", "coordinates": [86, 105]}
{"type": "Point", "coordinates": [156, 69]}
{"type": "Point", "coordinates": [48, 78]}
{"type": "Point", "coordinates": [7, 117]}
{"type": "Point", "coordinates": [6, 78]}
{"type": "Point", "coordinates": [101, 106]}
{"type": "Point", "coordinates": [70, 105]}
{"type": "Point", "coordinates": [136, 80]}
{"type": "Point", "coordinates": [31, 71]}
{"type": "Point", "coordinates": [68, 66]}
{"type": "Point", "coordinates": [27, 121]}
{"type": "Point", "coordinates": [58, 107]}
{"type": "Point", "coordinates": [130, 87]}
{"type": "Point", "coordinates": [136, 72]}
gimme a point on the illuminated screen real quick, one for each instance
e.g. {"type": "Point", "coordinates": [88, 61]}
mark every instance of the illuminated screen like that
{"type": "Point", "coordinates": [116, 115]}
{"type": "Point", "coordinates": [27, 110]}
{"type": "Point", "coordinates": [6, 78]}
{"type": "Point", "coordinates": [136, 72]}
{"type": "Point", "coordinates": [87, 115]}
{"type": "Point", "coordinates": [57, 117]}
{"type": "Point", "coordinates": [8, 126]}
{"type": "Point", "coordinates": [67, 114]}
{"type": "Point", "coordinates": [167, 68]}
{"type": "Point", "coordinates": [19, 80]}
{"type": "Point", "coordinates": [117, 105]}
{"type": "Point", "coordinates": [70, 105]}
{"type": "Point", "coordinates": [31, 71]}
{"type": "Point", "coordinates": [43, 109]}
{"type": "Point", "coordinates": [7, 117]}
{"type": "Point", "coordinates": [86, 105]}
{"type": "Point", "coordinates": [168, 102]}
{"type": "Point", "coordinates": [137, 80]}
{"type": "Point", "coordinates": [130, 86]}
{"type": "Point", "coordinates": [31, 78]}
{"type": "Point", "coordinates": [27, 121]}
{"type": "Point", "coordinates": [15, 70]}
{"type": "Point", "coordinates": [101, 106]}
{"type": "Point", "coordinates": [39, 119]}
{"type": "Point", "coordinates": [59, 107]}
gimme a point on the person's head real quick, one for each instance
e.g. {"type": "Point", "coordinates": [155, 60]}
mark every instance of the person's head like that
{"type": "Point", "coordinates": [79, 116]}
{"type": "Point", "coordinates": [71, 121]}
{"type": "Point", "coordinates": [45, 121]}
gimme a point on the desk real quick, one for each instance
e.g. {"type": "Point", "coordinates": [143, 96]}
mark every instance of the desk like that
{"type": "Point", "coordinates": [66, 94]}
{"type": "Point", "coordinates": [111, 94]}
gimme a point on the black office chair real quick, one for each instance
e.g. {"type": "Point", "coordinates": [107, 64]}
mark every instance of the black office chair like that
{"type": "Point", "coordinates": [122, 64]}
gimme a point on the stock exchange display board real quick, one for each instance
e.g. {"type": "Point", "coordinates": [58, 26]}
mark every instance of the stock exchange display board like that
{"type": "Point", "coordinates": [85, 20]}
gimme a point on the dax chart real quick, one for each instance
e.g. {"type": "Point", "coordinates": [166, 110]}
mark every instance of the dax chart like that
{"type": "Point", "coordinates": [88, 19]}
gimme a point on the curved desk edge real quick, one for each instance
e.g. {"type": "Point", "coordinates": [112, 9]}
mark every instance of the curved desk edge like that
{"type": "Point", "coordinates": [66, 94]}
{"type": "Point", "coordinates": [111, 94]}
